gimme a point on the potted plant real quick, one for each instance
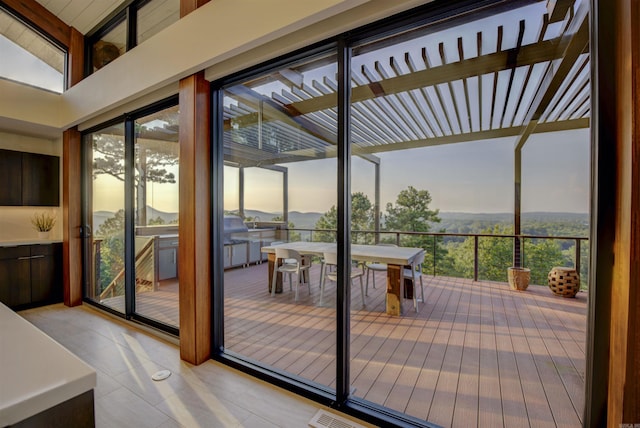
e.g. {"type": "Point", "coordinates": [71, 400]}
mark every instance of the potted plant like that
{"type": "Point", "coordinates": [519, 277]}
{"type": "Point", "coordinates": [43, 222]}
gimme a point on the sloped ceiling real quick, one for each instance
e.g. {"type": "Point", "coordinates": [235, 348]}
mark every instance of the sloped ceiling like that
{"type": "Point", "coordinates": [83, 15]}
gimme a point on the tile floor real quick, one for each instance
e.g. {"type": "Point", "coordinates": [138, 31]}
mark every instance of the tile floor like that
{"type": "Point", "coordinates": [125, 357]}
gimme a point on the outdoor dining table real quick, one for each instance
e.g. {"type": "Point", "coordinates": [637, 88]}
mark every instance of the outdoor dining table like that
{"type": "Point", "coordinates": [396, 259]}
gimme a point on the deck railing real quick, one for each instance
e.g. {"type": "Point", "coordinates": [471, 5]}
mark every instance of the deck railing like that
{"type": "Point", "coordinates": [305, 234]}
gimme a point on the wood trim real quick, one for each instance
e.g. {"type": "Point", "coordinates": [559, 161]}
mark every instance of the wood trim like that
{"type": "Point", "coordinates": [75, 58]}
{"type": "Point", "coordinates": [40, 17]}
{"type": "Point", "coordinates": [188, 6]}
{"type": "Point", "coordinates": [194, 251]}
{"type": "Point", "coordinates": [72, 217]}
{"type": "Point", "coordinates": [624, 366]}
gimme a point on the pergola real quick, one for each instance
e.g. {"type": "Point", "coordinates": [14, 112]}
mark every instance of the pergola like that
{"type": "Point", "coordinates": [463, 92]}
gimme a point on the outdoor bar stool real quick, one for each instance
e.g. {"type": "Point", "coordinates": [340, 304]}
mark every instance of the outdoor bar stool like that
{"type": "Point", "coordinates": [291, 264]}
{"type": "Point", "coordinates": [329, 260]}
{"type": "Point", "coordinates": [376, 267]}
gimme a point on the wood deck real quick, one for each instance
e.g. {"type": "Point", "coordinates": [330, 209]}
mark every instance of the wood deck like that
{"type": "Point", "coordinates": [476, 353]}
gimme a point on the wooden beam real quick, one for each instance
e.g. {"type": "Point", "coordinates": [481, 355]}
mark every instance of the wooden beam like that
{"type": "Point", "coordinates": [188, 6]}
{"type": "Point", "coordinates": [194, 249]}
{"type": "Point", "coordinates": [72, 217]}
{"type": "Point", "coordinates": [624, 367]}
{"type": "Point", "coordinates": [75, 58]}
{"type": "Point", "coordinates": [42, 19]}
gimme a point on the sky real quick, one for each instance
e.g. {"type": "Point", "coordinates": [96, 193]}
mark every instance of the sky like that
{"type": "Point", "coordinates": [465, 177]}
{"type": "Point", "coordinates": [19, 65]}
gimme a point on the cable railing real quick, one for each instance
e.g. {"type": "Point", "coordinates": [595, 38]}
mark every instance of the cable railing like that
{"type": "Point", "coordinates": [437, 239]}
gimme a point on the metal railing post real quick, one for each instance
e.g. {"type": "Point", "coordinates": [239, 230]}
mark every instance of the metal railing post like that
{"type": "Point", "coordinates": [434, 255]}
{"type": "Point", "coordinates": [475, 257]}
{"type": "Point", "coordinates": [576, 262]}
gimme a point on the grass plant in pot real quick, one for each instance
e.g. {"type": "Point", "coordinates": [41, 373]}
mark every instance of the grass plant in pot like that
{"type": "Point", "coordinates": [43, 222]}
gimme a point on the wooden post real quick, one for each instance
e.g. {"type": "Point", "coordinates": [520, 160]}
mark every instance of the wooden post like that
{"type": "Point", "coordinates": [71, 217]}
{"type": "Point", "coordinates": [194, 249]}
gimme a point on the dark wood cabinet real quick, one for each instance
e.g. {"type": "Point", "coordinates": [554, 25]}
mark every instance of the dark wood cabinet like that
{"type": "Point", "coordinates": [46, 278]}
{"type": "Point", "coordinates": [11, 176]}
{"type": "Point", "coordinates": [40, 180]}
{"type": "Point", "coordinates": [31, 179]}
{"type": "Point", "coordinates": [30, 275]}
{"type": "Point", "coordinates": [15, 276]}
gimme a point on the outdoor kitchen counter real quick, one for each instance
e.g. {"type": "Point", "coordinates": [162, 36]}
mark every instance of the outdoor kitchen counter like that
{"type": "Point", "coordinates": [40, 379]}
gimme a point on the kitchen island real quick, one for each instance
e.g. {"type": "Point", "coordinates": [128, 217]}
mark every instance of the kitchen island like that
{"type": "Point", "coordinates": [41, 382]}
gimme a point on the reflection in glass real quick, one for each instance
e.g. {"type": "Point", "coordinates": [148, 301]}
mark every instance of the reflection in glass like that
{"type": "Point", "coordinates": [28, 57]}
{"type": "Point", "coordinates": [110, 46]}
{"type": "Point", "coordinates": [280, 174]}
{"type": "Point", "coordinates": [156, 15]}
{"type": "Point", "coordinates": [156, 216]}
{"type": "Point", "coordinates": [106, 201]}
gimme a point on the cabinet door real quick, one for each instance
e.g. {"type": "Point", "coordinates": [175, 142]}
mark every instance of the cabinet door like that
{"type": "Point", "coordinates": [10, 176]}
{"type": "Point", "coordinates": [40, 180]}
{"type": "Point", "coordinates": [15, 276]}
{"type": "Point", "coordinates": [46, 281]}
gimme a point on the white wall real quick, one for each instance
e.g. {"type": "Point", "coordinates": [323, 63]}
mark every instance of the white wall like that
{"type": "Point", "coordinates": [15, 222]}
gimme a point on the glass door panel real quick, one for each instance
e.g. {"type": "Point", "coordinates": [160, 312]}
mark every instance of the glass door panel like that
{"type": "Point", "coordinates": [105, 204]}
{"type": "Point", "coordinates": [279, 188]}
{"type": "Point", "coordinates": [156, 216]}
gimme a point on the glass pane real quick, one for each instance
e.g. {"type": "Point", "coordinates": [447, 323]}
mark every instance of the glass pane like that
{"type": "Point", "coordinates": [106, 202]}
{"type": "Point", "coordinates": [155, 16]}
{"type": "Point", "coordinates": [280, 175]}
{"type": "Point", "coordinates": [441, 111]}
{"type": "Point", "coordinates": [28, 57]}
{"type": "Point", "coordinates": [156, 216]}
{"type": "Point", "coordinates": [110, 46]}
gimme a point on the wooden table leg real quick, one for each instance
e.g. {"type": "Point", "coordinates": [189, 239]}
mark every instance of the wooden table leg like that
{"type": "Point", "coordinates": [271, 258]}
{"type": "Point", "coordinates": [394, 298]}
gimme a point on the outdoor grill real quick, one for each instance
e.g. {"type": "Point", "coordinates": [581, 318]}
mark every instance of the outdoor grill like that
{"type": "Point", "coordinates": [234, 225]}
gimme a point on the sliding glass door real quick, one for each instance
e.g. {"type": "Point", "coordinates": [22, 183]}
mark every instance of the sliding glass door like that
{"type": "Point", "coordinates": [131, 215]}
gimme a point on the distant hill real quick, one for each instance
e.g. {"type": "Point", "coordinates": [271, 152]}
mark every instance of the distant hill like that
{"type": "Point", "coordinates": [535, 223]}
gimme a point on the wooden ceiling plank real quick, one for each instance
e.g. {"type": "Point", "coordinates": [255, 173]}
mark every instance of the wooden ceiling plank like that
{"type": "Point", "coordinates": [572, 45]}
{"type": "Point", "coordinates": [465, 85]}
{"type": "Point", "coordinates": [452, 92]}
{"type": "Point", "coordinates": [395, 99]}
{"type": "Point", "coordinates": [511, 64]}
{"type": "Point", "coordinates": [42, 19]}
{"type": "Point", "coordinates": [570, 82]}
{"type": "Point", "coordinates": [422, 122]}
{"type": "Point", "coordinates": [495, 76]}
{"type": "Point", "coordinates": [479, 46]}
{"type": "Point", "coordinates": [376, 107]}
{"type": "Point", "coordinates": [425, 96]}
{"type": "Point", "coordinates": [427, 64]}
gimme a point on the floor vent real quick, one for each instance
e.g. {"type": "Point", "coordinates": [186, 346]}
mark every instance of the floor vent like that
{"type": "Point", "coordinates": [324, 419]}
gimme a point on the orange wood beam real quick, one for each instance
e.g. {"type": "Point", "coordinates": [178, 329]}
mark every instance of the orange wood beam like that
{"type": "Point", "coordinates": [72, 219]}
{"type": "Point", "coordinates": [624, 366]}
{"type": "Point", "coordinates": [39, 16]}
{"type": "Point", "coordinates": [75, 58]}
{"type": "Point", "coordinates": [194, 250]}
{"type": "Point", "coordinates": [188, 6]}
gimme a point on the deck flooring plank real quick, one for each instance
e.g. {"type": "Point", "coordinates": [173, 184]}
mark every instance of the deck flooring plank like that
{"type": "Point", "coordinates": [444, 399]}
{"type": "Point", "coordinates": [572, 382]}
{"type": "Point", "coordinates": [490, 393]}
{"type": "Point", "coordinates": [466, 403]}
{"type": "Point", "coordinates": [554, 391]}
{"type": "Point", "coordinates": [432, 369]}
{"type": "Point", "coordinates": [437, 297]}
{"type": "Point", "coordinates": [476, 353]}
{"type": "Point", "coordinates": [513, 404]}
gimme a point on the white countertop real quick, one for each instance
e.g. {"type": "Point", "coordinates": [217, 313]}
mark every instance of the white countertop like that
{"type": "Point", "coordinates": [36, 372]}
{"type": "Point", "coordinates": [34, 241]}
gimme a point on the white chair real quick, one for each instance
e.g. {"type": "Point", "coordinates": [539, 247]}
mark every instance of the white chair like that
{"type": "Point", "coordinates": [376, 267]}
{"type": "Point", "coordinates": [331, 259]}
{"type": "Point", "coordinates": [291, 264]}
{"type": "Point", "coordinates": [412, 272]}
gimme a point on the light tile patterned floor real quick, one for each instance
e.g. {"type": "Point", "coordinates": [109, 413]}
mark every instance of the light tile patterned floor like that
{"type": "Point", "coordinates": [125, 357]}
